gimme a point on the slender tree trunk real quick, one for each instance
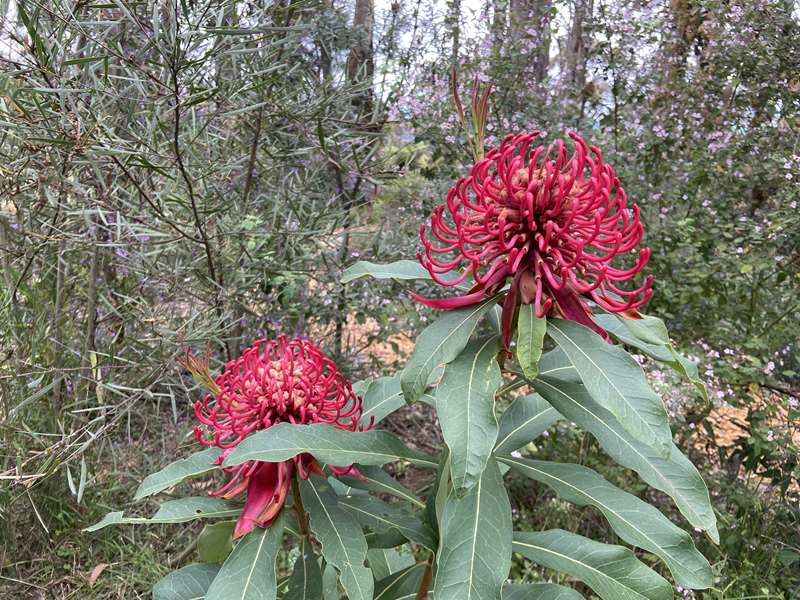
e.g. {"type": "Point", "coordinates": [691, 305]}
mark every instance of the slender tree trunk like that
{"type": "Point", "coordinates": [578, 48]}
{"type": "Point", "coordinates": [453, 24]}
{"type": "Point", "coordinates": [359, 70]}
{"type": "Point", "coordinates": [324, 48]}
{"type": "Point", "coordinates": [360, 66]}
{"type": "Point", "coordinates": [499, 21]}
{"type": "Point", "coordinates": [530, 20]}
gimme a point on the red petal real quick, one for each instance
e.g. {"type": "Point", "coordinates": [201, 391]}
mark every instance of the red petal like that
{"type": "Point", "coordinates": [285, 470]}
{"type": "Point", "coordinates": [262, 489]}
{"type": "Point", "coordinates": [351, 470]}
{"type": "Point", "coordinates": [573, 308]}
{"type": "Point", "coordinates": [448, 303]}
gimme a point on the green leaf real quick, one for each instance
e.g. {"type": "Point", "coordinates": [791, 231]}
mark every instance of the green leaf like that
{"type": "Point", "coordinates": [379, 515]}
{"type": "Point", "coordinates": [465, 407]}
{"type": "Point", "coordinates": [174, 473]}
{"type": "Point", "coordinates": [305, 582]}
{"type": "Point", "coordinates": [215, 542]}
{"type": "Point", "coordinates": [434, 506]}
{"type": "Point", "coordinates": [383, 397]}
{"type": "Point", "coordinates": [175, 511]}
{"type": "Point", "coordinates": [475, 545]}
{"type": "Point", "coordinates": [616, 326]}
{"type": "Point", "coordinates": [400, 270]}
{"type": "Point", "coordinates": [330, 583]}
{"type": "Point", "coordinates": [525, 420]}
{"type": "Point", "coordinates": [388, 538]}
{"type": "Point", "coordinates": [613, 572]}
{"type": "Point", "coordinates": [402, 585]}
{"type": "Point", "coordinates": [614, 378]}
{"type": "Point", "coordinates": [649, 329]}
{"type": "Point", "coordinates": [377, 480]}
{"type": "Point", "coordinates": [539, 591]}
{"type": "Point", "coordinates": [195, 507]}
{"type": "Point", "coordinates": [188, 583]}
{"type": "Point", "coordinates": [327, 444]}
{"type": "Point", "coordinates": [385, 561]}
{"type": "Point", "coordinates": [674, 475]}
{"type": "Point", "coordinates": [249, 572]}
{"type": "Point", "coordinates": [631, 333]}
{"type": "Point", "coordinates": [343, 542]}
{"type": "Point", "coordinates": [530, 337]}
{"type": "Point", "coordinates": [633, 520]}
{"type": "Point", "coordinates": [557, 364]}
{"type": "Point", "coordinates": [440, 343]}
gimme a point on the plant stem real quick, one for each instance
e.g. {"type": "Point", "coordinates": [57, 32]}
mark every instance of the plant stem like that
{"type": "Point", "coordinates": [425, 583]}
{"type": "Point", "coordinates": [299, 509]}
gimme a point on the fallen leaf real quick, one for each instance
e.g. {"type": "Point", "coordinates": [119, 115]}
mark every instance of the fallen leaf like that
{"type": "Point", "coordinates": [96, 573]}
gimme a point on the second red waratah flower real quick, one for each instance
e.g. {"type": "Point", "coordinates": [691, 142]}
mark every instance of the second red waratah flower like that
{"type": "Point", "coordinates": [284, 380]}
{"type": "Point", "coordinates": [550, 222]}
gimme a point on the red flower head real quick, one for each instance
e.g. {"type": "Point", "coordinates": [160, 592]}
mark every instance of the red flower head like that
{"type": "Point", "coordinates": [551, 223]}
{"type": "Point", "coordinates": [272, 382]}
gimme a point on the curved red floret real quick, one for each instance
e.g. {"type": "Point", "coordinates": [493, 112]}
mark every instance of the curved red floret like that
{"type": "Point", "coordinates": [284, 380]}
{"type": "Point", "coordinates": [550, 222]}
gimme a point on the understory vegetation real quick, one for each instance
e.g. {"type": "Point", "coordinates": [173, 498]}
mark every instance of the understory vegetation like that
{"type": "Point", "coordinates": [200, 175]}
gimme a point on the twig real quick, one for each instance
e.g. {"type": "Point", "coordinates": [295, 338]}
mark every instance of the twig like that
{"type": "Point", "coordinates": [425, 583]}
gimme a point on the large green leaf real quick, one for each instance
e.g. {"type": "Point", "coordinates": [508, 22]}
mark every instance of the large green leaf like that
{"type": "Point", "coordinates": [614, 378]}
{"type": "Point", "coordinates": [647, 328]}
{"type": "Point", "coordinates": [402, 585]}
{"type": "Point", "coordinates": [539, 591]}
{"type": "Point", "coordinates": [651, 338]}
{"type": "Point", "coordinates": [343, 542]}
{"type": "Point", "coordinates": [557, 364]}
{"type": "Point", "coordinates": [188, 583]}
{"type": "Point", "coordinates": [249, 572]}
{"type": "Point", "coordinates": [613, 572]}
{"type": "Point", "coordinates": [327, 444]}
{"type": "Point", "coordinates": [400, 270]}
{"type": "Point", "coordinates": [674, 475]}
{"type": "Point", "coordinates": [379, 515]}
{"type": "Point", "coordinates": [475, 541]}
{"type": "Point", "coordinates": [465, 406]}
{"type": "Point", "coordinates": [388, 538]}
{"type": "Point", "coordinates": [174, 473]}
{"type": "Point", "coordinates": [375, 479]}
{"type": "Point", "coordinates": [305, 583]}
{"type": "Point", "coordinates": [530, 337]}
{"type": "Point", "coordinates": [330, 583]}
{"type": "Point", "coordinates": [440, 343]}
{"type": "Point", "coordinates": [383, 397]}
{"type": "Point", "coordinates": [526, 419]}
{"type": "Point", "coordinates": [633, 520]}
{"type": "Point", "coordinates": [385, 561]}
{"type": "Point", "coordinates": [175, 511]}
{"type": "Point", "coordinates": [215, 542]}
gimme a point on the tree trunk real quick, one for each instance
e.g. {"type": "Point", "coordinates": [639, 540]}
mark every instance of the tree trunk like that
{"type": "Point", "coordinates": [577, 48]}
{"type": "Point", "coordinates": [360, 63]}
{"type": "Point", "coordinates": [359, 69]}
{"type": "Point", "coordinates": [530, 19]}
{"type": "Point", "coordinates": [499, 20]}
{"type": "Point", "coordinates": [453, 24]}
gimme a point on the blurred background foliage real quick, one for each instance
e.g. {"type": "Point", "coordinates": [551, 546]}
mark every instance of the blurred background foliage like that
{"type": "Point", "coordinates": [181, 173]}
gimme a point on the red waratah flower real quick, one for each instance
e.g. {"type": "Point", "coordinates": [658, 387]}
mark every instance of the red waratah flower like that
{"type": "Point", "coordinates": [272, 382]}
{"type": "Point", "coordinates": [551, 223]}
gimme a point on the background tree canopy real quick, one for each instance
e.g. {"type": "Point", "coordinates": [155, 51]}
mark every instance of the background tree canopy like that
{"type": "Point", "coordinates": [202, 172]}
